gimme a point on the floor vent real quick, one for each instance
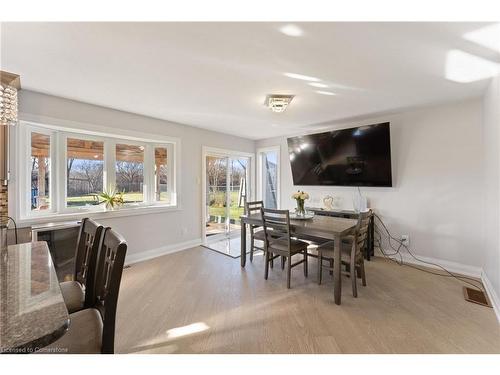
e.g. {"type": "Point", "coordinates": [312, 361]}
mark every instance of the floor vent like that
{"type": "Point", "coordinates": [476, 296]}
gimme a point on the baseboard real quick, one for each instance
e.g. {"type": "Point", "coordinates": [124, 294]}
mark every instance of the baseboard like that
{"type": "Point", "coordinates": [164, 250]}
{"type": "Point", "coordinates": [492, 295]}
{"type": "Point", "coordinates": [453, 267]}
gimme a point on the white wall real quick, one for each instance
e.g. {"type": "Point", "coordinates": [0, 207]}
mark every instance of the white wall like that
{"type": "Point", "coordinates": [151, 231]}
{"type": "Point", "coordinates": [436, 196]}
{"type": "Point", "coordinates": [491, 122]}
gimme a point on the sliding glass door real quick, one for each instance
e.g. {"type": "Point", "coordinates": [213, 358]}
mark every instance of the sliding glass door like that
{"type": "Point", "coordinates": [227, 181]}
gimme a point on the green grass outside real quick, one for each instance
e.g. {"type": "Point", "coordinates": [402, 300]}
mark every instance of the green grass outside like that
{"type": "Point", "coordinates": [217, 205]}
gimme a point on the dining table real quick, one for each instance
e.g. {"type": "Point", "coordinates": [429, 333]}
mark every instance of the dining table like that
{"type": "Point", "coordinates": [324, 227]}
{"type": "Point", "coordinates": [32, 309]}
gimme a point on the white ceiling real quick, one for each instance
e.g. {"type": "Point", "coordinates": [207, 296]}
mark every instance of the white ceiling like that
{"type": "Point", "coordinates": [216, 75]}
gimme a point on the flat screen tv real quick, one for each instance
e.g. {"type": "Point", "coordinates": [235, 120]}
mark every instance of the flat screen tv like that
{"type": "Point", "coordinates": [348, 157]}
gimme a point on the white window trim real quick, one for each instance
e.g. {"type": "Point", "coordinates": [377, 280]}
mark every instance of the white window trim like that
{"type": "Point", "coordinates": [59, 135]}
{"type": "Point", "coordinates": [259, 152]}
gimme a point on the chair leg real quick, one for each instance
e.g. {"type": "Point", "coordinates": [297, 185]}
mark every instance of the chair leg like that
{"type": "Point", "coordinates": [362, 269]}
{"type": "Point", "coordinates": [252, 244]}
{"type": "Point", "coordinates": [272, 260]}
{"type": "Point", "coordinates": [288, 271]}
{"type": "Point", "coordinates": [320, 267]}
{"type": "Point", "coordinates": [283, 259]}
{"type": "Point", "coordinates": [305, 263]}
{"type": "Point", "coordinates": [331, 266]}
{"type": "Point", "coordinates": [266, 272]}
{"type": "Point", "coordinates": [353, 277]}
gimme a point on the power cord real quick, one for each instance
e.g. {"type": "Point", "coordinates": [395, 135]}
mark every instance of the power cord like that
{"type": "Point", "coordinates": [13, 222]}
{"type": "Point", "coordinates": [381, 229]}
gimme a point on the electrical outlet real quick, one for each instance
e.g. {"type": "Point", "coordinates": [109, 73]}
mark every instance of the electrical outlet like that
{"type": "Point", "coordinates": [405, 240]}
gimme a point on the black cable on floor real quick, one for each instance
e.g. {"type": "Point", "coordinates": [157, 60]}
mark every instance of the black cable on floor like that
{"type": "Point", "coordinates": [401, 262]}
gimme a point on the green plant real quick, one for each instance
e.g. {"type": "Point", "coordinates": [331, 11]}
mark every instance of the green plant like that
{"type": "Point", "coordinates": [112, 198]}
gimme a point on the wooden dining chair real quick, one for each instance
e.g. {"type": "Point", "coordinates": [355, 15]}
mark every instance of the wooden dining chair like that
{"type": "Point", "coordinates": [92, 330]}
{"type": "Point", "coordinates": [256, 232]}
{"type": "Point", "coordinates": [352, 248]}
{"type": "Point", "coordinates": [279, 242]}
{"type": "Point", "coordinates": [78, 293]}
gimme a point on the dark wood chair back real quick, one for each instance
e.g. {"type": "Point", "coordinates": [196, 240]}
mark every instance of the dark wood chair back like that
{"type": "Point", "coordinates": [252, 208]}
{"type": "Point", "coordinates": [362, 229]}
{"type": "Point", "coordinates": [276, 224]}
{"type": "Point", "coordinates": [87, 248]}
{"type": "Point", "coordinates": [111, 258]}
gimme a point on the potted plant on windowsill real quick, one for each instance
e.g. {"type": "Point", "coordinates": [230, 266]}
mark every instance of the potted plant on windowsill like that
{"type": "Point", "coordinates": [111, 198]}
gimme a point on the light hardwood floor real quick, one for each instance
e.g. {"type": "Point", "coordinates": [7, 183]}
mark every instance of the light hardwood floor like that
{"type": "Point", "coordinates": [221, 308]}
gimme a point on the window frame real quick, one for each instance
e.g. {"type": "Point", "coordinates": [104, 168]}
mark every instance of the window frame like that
{"type": "Point", "coordinates": [26, 172]}
{"type": "Point", "coordinates": [64, 170]}
{"type": "Point", "coordinates": [260, 170]}
{"type": "Point", "coordinates": [58, 170]}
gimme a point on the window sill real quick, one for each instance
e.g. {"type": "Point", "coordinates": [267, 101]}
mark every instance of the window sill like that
{"type": "Point", "coordinates": [120, 212]}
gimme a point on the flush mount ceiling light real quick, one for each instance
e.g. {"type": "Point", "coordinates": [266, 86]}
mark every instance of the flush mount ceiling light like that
{"type": "Point", "coordinates": [291, 30]}
{"type": "Point", "coordinates": [278, 103]}
{"type": "Point", "coordinates": [301, 77]}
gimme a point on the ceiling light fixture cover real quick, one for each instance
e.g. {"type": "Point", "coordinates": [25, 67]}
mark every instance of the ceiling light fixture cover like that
{"type": "Point", "coordinates": [9, 84]}
{"type": "Point", "coordinates": [278, 103]}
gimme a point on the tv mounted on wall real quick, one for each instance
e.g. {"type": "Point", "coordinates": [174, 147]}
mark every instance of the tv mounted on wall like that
{"type": "Point", "coordinates": [348, 157]}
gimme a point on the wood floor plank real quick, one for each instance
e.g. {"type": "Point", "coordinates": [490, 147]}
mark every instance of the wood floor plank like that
{"type": "Point", "coordinates": [199, 301]}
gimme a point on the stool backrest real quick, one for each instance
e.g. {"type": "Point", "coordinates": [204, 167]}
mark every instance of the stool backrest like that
{"type": "Point", "coordinates": [87, 248]}
{"type": "Point", "coordinates": [111, 258]}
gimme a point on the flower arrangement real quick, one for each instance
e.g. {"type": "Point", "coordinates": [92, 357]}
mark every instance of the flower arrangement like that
{"type": "Point", "coordinates": [111, 198]}
{"type": "Point", "coordinates": [300, 197]}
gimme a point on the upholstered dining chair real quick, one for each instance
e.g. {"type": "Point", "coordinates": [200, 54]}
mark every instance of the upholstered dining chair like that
{"type": "Point", "coordinates": [92, 330]}
{"type": "Point", "coordinates": [352, 248]}
{"type": "Point", "coordinates": [78, 293]}
{"type": "Point", "coordinates": [278, 241]}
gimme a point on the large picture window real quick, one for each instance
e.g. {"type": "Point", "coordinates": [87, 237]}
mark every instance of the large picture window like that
{"type": "Point", "coordinates": [66, 171]}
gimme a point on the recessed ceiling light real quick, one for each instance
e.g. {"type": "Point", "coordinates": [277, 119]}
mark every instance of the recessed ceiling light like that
{"type": "Point", "coordinates": [326, 92]}
{"type": "Point", "coordinates": [302, 77]}
{"type": "Point", "coordinates": [291, 30]}
{"type": "Point", "coordinates": [317, 84]}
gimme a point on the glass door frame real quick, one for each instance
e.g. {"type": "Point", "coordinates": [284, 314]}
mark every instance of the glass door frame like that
{"type": "Point", "coordinates": [229, 154]}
